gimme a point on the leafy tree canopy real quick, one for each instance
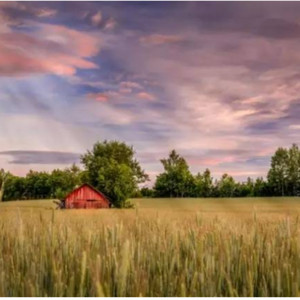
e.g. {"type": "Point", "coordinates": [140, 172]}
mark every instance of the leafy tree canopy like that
{"type": "Point", "coordinates": [176, 181]}
{"type": "Point", "coordinates": [111, 167]}
{"type": "Point", "coordinates": [284, 174]}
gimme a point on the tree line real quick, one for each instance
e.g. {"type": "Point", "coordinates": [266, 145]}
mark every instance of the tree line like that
{"type": "Point", "coordinates": [111, 167]}
{"type": "Point", "coordinates": [283, 179]}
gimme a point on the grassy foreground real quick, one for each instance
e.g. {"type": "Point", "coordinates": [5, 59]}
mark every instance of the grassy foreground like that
{"type": "Point", "coordinates": [164, 247]}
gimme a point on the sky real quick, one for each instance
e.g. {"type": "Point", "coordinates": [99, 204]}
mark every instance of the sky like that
{"type": "Point", "coordinates": [217, 81]}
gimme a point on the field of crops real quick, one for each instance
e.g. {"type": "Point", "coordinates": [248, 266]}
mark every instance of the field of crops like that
{"type": "Point", "coordinates": [163, 247]}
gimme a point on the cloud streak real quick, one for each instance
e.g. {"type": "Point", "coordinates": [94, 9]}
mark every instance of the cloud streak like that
{"type": "Point", "coordinates": [52, 49]}
{"type": "Point", "coordinates": [160, 39]}
{"type": "Point", "coordinates": [40, 157]}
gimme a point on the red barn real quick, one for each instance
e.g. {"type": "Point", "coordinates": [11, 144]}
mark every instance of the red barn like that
{"type": "Point", "coordinates": [86, 196]}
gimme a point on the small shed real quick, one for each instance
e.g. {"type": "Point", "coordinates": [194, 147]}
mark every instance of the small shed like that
{"type": "Point", "coordinates": [86, 196]}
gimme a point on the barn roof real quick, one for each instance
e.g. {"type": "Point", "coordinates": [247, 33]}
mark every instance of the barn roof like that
{"type": "Point", "coordinates": [91, 187]}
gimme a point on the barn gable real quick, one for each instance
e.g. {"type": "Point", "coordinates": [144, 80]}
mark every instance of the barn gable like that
{"type": "Point", "coordinates": [86, 196]}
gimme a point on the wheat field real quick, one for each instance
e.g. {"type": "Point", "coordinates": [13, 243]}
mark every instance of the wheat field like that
{"type": "Point", "coordinates": [163, 247]}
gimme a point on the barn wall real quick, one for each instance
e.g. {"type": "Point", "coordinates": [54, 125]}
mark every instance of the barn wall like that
{"type": "Point", "coordinates": [79, 199]}
{"type": "Point", "coordinates": [86, 204]}
{"type": "Point", "coordinates": [84, 193]}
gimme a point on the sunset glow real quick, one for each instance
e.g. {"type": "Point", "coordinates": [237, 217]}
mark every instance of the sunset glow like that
{"type": "Point", "coordinates": [218, 82]}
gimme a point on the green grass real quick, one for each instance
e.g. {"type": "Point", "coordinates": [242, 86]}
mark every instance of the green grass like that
{"type": "Point", "coordinates": [221, 204]}
{"type": "Point", "coordinates": [164, 247]}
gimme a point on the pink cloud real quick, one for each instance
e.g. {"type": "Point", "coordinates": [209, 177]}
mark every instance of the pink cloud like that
{"type": "Point", "coordinates": [239, 173]}
{"type": "Point", "coordinates": [101, 97]}
{"type": "Point", "coordinates": [96, 19]}
{"type": "Point", "coordinates": [118, 95]}
{"type": "Point", "coordinates": [46, 12]}
{"type": "Point", "coordinates": [43, 12]}
{"type": "Point", "coordinates": [26, 9]}
{"type": "Point", "coordinates": [158, 39]}
{"type": "Point", "coordinates": [125, 90]}
{"type": "Point", "coordinates": [50, 49]}
{"type": "Point", "coordinates": [81, 43]}
{"type": "Point", "coordinates": [110, 24]}
{"type": "Point", "coordinates": [146, 96]}
{"type": "Point", "coordinates": [295, 126]}
{"type": "Point", "coordinates": [211, 161]}
{"type": "Point", "coordinates": [130, 85]}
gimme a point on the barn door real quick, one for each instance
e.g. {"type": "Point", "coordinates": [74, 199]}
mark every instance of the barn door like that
{"type": "Point", "coordinates": [90, 203]}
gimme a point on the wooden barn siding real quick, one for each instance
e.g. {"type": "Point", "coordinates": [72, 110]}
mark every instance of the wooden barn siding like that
{"type": "Point", "coordinates": [86, 204]}
{"type": "Point", "coordinates": [79, 197]}
{"type": "Point", "coordinates": [83, 194]}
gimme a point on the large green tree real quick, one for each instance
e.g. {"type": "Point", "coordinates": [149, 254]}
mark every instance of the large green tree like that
{"type": "Point", "coordinates": [176, 180]}
{"type": "Point", "coordinates": [15, 188]}
{"type": "Point", "coordinates": [284, 174]}
{"type": "Point", "coordinates": [260, 188]}
{"type": "Point", "coordinates": [203, 184]}
{"type": "Point", "coordinates": [294, 170]}
{"type": "Point", "coordinates": [64, 181]}
{"type": "Point", "coordinates": [111, 167]}
{"type": "Point", "coordinates": [226, 186]}
{"type": "Point", "coordinates": [38, 185]}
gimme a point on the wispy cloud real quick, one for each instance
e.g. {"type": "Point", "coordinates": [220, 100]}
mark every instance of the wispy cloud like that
{"type": "Point", "coordinates": [295, 126]}
{"type": "Point", "coordinates": [159, 39]}
{"type": "Point", "coordinates": [96, 19]}
{"type": "Point", "coordinates": [41, 157]}
{"type": "Point", "coordinates": [146, 96]}
{"type": "Point", "coordinates": [53, 49]}
{"type": "Point", "coordinates": [110, 24]}
{"type": "Point", "coordinates": [101, 97]}
{"type": "Point", "coordinates": [16, 13]}
{"type": "Point", "coordinates": [130, 85]}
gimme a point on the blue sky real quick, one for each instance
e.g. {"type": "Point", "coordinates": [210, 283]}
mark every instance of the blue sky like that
{"type": "Point", "coordinates": [217, 81]}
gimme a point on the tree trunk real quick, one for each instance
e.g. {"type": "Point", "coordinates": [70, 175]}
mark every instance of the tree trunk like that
{"type": "Point", "coordinates": [2, 187]}
{"type": "Point", "coordinates": [2, 190]}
